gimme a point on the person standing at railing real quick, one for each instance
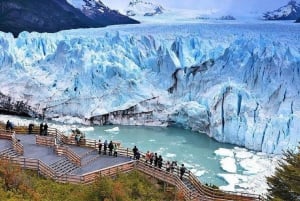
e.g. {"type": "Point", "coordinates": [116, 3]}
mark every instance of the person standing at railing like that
{"type": "Point", "coordinates": [173, 166]}
{"type": "Point", "coordinates": [138, 155]}
{"type": "Point", "coordinates": [115, 150]}
{"type": "Point", "coordinates": [168, 166]}
{"type": "Point", "coordinates": [30, 128]}
{"type": "Point", "coordinates": [77, 139]}
{"type": "Point", "coordinates": [151, 158]}
{"type": "Point", "coordinates": [9, 126]}
{"type": "Point", "coordinates": [110, 147]}
{"type": "Point", "coordinates": [155, 158]}
{"type": "Point", "coordinates": [45, 128]}
{"type": "Point", "coordinates": [105, 147]}
{"type": "Point", "coordinates": [182, 171]}
{"type": "Point", "coordinates": [41, 128]}
{"type": "Point", "coordinates": [99, 147]}
{"type": "Point", "coordinates": [159, 161]}
{"type": "Point", "coordinates": [147, 157]}
{"type": "Point", "coordinates": [134, 150]}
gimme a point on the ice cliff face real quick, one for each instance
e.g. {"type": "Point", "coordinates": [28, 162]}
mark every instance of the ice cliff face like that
{"type": "Point", "coordinates": [235, 83]}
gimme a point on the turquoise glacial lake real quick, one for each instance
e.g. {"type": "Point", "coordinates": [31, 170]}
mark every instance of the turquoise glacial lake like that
{"type": "Point", "coordinates": [195, 150]}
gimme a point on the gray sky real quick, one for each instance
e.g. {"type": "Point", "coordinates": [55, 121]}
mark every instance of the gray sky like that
{"type": "Point", "coordinates": [222, 5]}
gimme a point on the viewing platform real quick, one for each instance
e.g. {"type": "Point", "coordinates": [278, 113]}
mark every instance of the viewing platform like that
{"type": "Point", "coordinates": [59, 157]}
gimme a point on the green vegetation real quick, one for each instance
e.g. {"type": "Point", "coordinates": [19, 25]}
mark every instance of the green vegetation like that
{"type": "Point", "coordinates": [19, 185]}
{"type": "Point", "coordinates": [285, 184]}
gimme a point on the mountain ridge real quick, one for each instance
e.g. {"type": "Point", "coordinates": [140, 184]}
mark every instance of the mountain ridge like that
{"type": "Point", "coordinates": [291, 11]}
{"type": "Point", "coordinates": [52, 16]}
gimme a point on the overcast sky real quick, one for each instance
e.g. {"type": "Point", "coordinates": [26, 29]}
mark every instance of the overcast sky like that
{"type": "Point", "coordinates": [222, 5]}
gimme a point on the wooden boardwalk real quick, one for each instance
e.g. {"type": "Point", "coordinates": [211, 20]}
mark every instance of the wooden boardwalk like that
{"type": "Point", "coordinates": [58, 157]}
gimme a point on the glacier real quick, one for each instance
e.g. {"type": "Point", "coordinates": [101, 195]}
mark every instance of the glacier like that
{"type": "Point", "coordinates": [238, 82]}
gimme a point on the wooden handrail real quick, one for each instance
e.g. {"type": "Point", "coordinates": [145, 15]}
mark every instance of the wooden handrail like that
{"type": "Point", "coordinates": [45, 140]}
{"type": "Point", "coordinates": [17, 146]}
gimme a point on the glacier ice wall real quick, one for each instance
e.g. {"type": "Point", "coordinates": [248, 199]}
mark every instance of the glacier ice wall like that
{"type": "Point", "coordinates": [239, 83]}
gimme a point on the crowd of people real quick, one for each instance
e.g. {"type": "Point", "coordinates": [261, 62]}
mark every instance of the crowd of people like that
{"type": "Point", "coordinates": [157, 160]}
{"type": "Point", "coordinates": [109, 148]}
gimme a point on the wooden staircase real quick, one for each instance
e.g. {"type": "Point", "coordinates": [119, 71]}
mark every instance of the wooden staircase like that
{"type": "Point", "coordinates": [9, 153]}
{"type": "Point", "coordinates": [63, 166]}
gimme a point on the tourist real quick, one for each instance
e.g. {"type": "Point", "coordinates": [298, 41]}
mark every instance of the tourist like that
{"type": "Point", "coordinates": [30, 128]}
{"type": "Point", "coordinates": [138, 155]}
{"type": "Point", "coordinates": [45, 129]}
{"type": "Point", "coordinates": [173, 165]}
{"type": "Point", "coordinates": [105, 147]}
{"type": "Point", "coordinates": [182, 171]}
{"type": "Point", "coordinates": [155, 159]}
{"type": "Point", "coordinates": [9, 126]}
{"type": "Point", "coordinates": [147, 157]}
{"type": "Point", "coordinates": [110, 148]}
{"type": "Point", "coordinates": [168, 166]}
{"type": "Point", "coordinates": [151, 158]}
{"type": "Point", "coordinates": [115, 150]}
{"type": "Point", "coordinates": [159, 161]}
{"type": "Point", "coordinates": [41, 128]}
{"type": "Point", "coordinates": [77, 139]}
{"type": "Point", "coordinates": [134, 150]}
{"type": "Point", "coordinates": [99, 147]}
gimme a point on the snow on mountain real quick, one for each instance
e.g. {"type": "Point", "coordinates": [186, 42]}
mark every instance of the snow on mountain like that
{"type": "Point", "coordinates": [153, 11]}
{"type": "Point", "coordinates": [98, 11]}
{"type": "Point", "coordinates": [291, 11]}
{"type": "Point", "coordinates": [144, 8]}
{"type": "Point", "coordinates": [238, 83]}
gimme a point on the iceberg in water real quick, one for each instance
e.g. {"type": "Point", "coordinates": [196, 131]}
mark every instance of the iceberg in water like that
{"type": "Point", "coordinates": [114, 129]}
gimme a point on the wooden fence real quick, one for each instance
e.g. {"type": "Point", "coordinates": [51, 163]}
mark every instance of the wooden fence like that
{"type": "Point", "coordinates": [45, 140]}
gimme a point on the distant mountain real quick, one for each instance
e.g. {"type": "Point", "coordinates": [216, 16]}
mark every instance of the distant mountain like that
{"type": "Point", "coordinates": [291, 11]}
{"type": "Point", "coordinates": [143, 8]}
{"type": "Point", "coordinates": [55, 15]}
{"type": "Point", "coordinates": [227, 17]}
{"type": "Point", "coordinates": [97, 11]}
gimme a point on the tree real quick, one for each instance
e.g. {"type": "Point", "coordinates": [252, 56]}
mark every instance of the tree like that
{"type": "Point", "coordinates": [285, 184]}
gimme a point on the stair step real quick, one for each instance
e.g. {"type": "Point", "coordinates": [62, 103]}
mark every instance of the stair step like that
{"type": "Point", "coordinates": [10, 153]}
{"type": "Point", "coordinates": [63, 166]}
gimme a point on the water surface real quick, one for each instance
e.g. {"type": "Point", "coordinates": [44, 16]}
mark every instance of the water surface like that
{"type": "Point", "coordinates": [195, 150]}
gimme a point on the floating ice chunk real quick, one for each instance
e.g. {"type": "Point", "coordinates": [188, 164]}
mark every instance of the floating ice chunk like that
{"type": "Point", "coordinates": [224, 152]}
{"type": "Point", "coordinates": [243, 154]}
{"type": "Point", "coordinates": [114, 129]}
{"type": "Point", "coordinates": [228, 164]}
{"type": "Point", "coordinates": [170, 155]}
{"type": "Point", "coordinates": [86, 128]}
{"type": "Point", "coordinates": [231, 179]}
{"type": "Point", "coordinates": [199, 173]}
{"type": "Point", "coordinates": [252, 166]}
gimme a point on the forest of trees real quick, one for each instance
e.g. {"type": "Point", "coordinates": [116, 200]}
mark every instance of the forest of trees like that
{"type": "Point", "coordinates": [19, 185]}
